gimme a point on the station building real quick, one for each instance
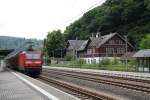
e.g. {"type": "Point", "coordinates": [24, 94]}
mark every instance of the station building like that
{"type": "Point", "coordinates": [98, 47]}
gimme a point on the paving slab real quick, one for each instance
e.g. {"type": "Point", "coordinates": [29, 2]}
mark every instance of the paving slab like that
{"type": "Point", "coordinates": [14, 87]}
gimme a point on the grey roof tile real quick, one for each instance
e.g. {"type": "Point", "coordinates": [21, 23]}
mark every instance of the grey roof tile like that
{"type": "Point", "coordinates": [75, 44]}
{"type": "Point", "coordinates": [98, 41]}
{"type": "Point", "coordinates": [142, 53]}
{"type": "Point", "coordinates": [82, 47]}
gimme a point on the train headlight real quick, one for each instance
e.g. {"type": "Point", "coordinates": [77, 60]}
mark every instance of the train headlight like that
{"type": "Point", "coordinates": [28, 62]}
{"type": "Point", "coordinates": [37, 62]}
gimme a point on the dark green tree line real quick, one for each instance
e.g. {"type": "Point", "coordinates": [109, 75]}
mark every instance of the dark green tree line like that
{"type": "Point", "coordinates": [127, 17]}
{"type": "Point", "coordinates": [145, 43]}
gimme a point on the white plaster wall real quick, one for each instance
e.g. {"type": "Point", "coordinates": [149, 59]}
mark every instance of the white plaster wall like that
{"type": "Point", "coordinates": [90, 59]}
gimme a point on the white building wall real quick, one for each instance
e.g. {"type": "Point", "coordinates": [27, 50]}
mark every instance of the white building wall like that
{"type": "Point", "coordinates": [89, 60]}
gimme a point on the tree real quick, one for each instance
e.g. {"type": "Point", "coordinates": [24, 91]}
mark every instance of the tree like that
{"type": "Point", "coordinates": [55, 43]}
{"type": "Point", "coordinates": [145, 43]}
{"type": "Point", "coordinates": [127, 17]}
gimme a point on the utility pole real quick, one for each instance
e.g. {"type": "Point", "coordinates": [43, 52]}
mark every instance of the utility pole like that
{"type": "Point", "coordinates": [126, 50]}
{"type": "Point", "coordinates": [46, 58]}
{"type": "Point", "coordinates": [53, 54]}
{"type": "Point", "coordinates": [61, 53]}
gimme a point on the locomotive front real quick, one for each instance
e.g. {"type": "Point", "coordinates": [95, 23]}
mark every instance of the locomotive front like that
{"type": "Point", "coordinates": [33, 62]}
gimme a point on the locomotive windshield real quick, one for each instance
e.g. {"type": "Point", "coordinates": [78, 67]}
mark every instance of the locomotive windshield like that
{"type": "Point", "coordinates": [36, 56]}
{"type": "Point", "coordinates": [32, 56]}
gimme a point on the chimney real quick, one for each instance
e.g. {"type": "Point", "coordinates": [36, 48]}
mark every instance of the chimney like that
{"type": "Point", "coordinates": [98, 34]}
{"type": "Point", "coordinates": [92, 34]}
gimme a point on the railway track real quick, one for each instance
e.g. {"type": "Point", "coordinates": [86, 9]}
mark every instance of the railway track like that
{"type": "Point", "coordinates": [122, 77]}
{"type": "Point", "coordinates": [98, 79]}
{"type": "Point", "coordinates": [81, 92]}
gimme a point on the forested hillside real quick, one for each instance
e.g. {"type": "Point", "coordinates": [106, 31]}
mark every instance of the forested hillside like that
{"type": "Point", "coordinates": [127, 17]}
{"type": "Point", "coordinates": [7, 42]}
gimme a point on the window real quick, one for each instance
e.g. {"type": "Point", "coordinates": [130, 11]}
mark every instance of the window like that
{"type": "Point", "coordinates": [88, 61]}
{"type": "Point", "coordinates": [29, 55]}
{"type": "Point", "coordinates": [93, 50]}
{"type": "Point", "coordinates": [120, 50]}
{"type": "Point", "coordinates": [33, 56]}
{"type": "Point", "coordinates": [36, 56]}
{"type": "Point", "coordinates": [120, 42]}
{"type": "Point", "coordinates": [89, 51]}
{"type": "Point", "coordinates": [109, 50]}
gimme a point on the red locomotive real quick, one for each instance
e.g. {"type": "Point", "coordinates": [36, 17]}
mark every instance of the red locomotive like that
{"type": "Point", "coordinates": [26, 60]}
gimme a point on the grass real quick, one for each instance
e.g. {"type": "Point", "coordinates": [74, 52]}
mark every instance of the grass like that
{"type": "Point", "coordinates": [106, 64]}
{"type": "Point", "coordinates": [117, 67]}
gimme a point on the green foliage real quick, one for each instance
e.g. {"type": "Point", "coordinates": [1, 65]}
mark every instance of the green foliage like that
{"type": "Point", "coordinates": [69, 57]}
{"type": "Point", "coordinates": [105, 62]}
{"type": "Point", "coordinates": [130, 17]}
{"type": "Point", "coordinates": [81, 61]}
{"type": "Point", "coordinates": [115, 61]}
{"type": "Point", "coordinates": [54, 43]}
{"type": "Point", "coordinates": [145, 43]}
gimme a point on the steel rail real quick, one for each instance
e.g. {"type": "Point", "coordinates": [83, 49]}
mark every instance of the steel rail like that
{"type": "Point", "coordinates": [123, 77]}
{"type": "Point", "coordinates": [98, 80]}
{"type": "Point", "coordinates": [78, 89]}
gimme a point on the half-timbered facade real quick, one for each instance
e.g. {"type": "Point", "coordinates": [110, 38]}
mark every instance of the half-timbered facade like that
{"type": "Point", "coordinates": [100, 47]}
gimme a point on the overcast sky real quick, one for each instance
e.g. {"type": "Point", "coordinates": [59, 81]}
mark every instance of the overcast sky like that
{"type": "Point", "coordinates": [34, 18]}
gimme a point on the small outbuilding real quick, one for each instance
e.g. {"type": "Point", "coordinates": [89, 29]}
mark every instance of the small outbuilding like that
{"type": "Point", "coordinates": [73, 46]}
{"type": "Point", "coordinates": [143, 59]}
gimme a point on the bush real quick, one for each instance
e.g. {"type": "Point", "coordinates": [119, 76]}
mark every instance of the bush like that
{"type": "Point", "coordinates": [105, 62]}
{"type": "Point", "coordinates": [69, 57]}
{"type": "Point", "coordinates": [115, 61]}
{"type": "Point", "coordinates": [81, 61]}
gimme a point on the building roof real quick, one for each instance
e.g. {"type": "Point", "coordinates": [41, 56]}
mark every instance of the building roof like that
{"type": "Point", "coordinates": [142, 53]}
{"type": "Point", "coordinates": [83, 46]}
{"type": "Point", "coordinates": [75, 44]}
{"type": "Point", "coordinates": [98, 41]}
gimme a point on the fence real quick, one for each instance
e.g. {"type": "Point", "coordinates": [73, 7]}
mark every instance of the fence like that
{"type": "Point", "coordinates": [105, 64]}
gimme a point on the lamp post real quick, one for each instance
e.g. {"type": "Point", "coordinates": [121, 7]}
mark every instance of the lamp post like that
{"type": "Point", "coordinates": [61, 53]}
{"type": "Point", "coordinates": [126, 50]}
{"type": "Point", "coordinates": [53, 54]}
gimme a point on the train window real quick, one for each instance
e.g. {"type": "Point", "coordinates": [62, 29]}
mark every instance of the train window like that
{"type": "Point", "coordinates": [29, 55]}
{"type": "Point", "coordinates": [36, 56]}
{"type": "Point", "coordinates": [33, 56]}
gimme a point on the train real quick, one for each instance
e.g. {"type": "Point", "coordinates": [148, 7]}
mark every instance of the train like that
{"type": "Point", "coordinates": [26, 60]}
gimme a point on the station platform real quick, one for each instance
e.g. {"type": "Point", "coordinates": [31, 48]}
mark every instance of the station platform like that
{"type": "Point", "coordinates": [137, 75]}
{"type": "Point", "coordinates": [17, 86]}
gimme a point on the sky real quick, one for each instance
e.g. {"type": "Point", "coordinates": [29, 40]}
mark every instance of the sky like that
{"type": "Point", "coordinates": [34, 18]}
